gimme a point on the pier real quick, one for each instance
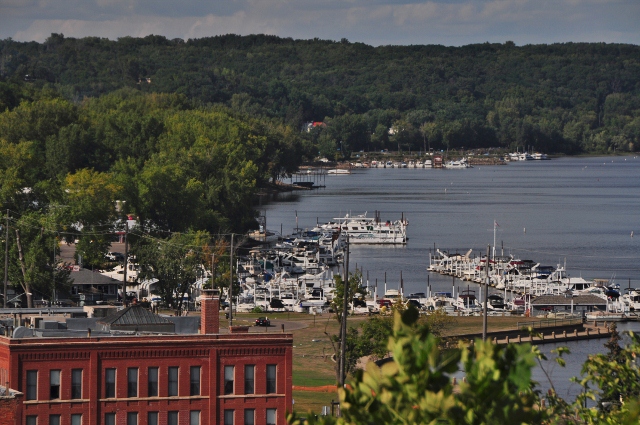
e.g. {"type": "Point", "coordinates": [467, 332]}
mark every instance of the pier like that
{"type": "Point", "coordinates": [547, 331]}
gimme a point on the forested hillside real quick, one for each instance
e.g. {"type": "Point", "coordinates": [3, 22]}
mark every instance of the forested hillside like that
{"type": "Point", "coordinates": [567, 98]}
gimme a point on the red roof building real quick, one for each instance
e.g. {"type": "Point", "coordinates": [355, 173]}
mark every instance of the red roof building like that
{"type": "Point", "coordinates": [138, 377]}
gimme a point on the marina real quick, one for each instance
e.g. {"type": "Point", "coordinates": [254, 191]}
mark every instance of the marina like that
{"type": "Point", "coordinates": [545, 213]}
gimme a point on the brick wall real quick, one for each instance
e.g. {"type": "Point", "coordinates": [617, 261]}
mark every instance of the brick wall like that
{"type": "Point", "coordinates": [210, 310]}
{"type": "Point", "coordinates": [10, 407]}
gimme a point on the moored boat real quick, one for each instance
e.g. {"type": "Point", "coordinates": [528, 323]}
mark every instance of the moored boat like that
{"type": "Point", "coordinates": [338, 171]}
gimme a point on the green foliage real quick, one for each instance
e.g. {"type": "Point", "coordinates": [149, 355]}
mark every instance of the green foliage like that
{"type": "Point", "coordinates": [175, 262]}
{"type": "Point", "coordinates": [354, 290]}
{"type": "Point", "coordinates": [612, 380]}
{"type": "Point", "coordinates": [569, 98]}
{"type": "Point", "coordinates": [416, 386]}
{"type": "Point", "coordinates": [32, 241]}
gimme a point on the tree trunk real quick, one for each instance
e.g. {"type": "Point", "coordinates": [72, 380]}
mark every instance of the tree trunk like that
{"type": "Point", "coordinates": [25, 286]}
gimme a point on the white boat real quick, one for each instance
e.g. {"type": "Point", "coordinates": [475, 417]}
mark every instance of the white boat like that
{"type": "Point", "coordinates": [263, 236]}
{"type": "Point", "coordinates": [539, 156]}
{"type": "Point", "coordinates": [632, 299]}
{"type": "Point", "coordinates": [369, 230]}
{"type": "Point", "coordinates": [606, 316]}
{"type": "Point", "coordinates": [443, 301]}
{"type": "Point", "coordinates": [338, 171]}
{"type": "Point", "coordinates": [427, 163]}
{"type": "Point", "coordinates": [462, 163]}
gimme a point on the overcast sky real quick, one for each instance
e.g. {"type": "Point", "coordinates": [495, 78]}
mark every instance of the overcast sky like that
{"type": "Point", "coordinates": [374, 22]}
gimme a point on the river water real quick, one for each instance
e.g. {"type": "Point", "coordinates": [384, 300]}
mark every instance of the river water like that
{"type": "Point", "coordinates": [582, 212]}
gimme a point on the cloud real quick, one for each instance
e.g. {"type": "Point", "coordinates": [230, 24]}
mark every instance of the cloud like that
{"type": "Point", "coordinates": [449, 22]}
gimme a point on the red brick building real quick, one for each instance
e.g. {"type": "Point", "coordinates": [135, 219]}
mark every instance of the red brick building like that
{"type": "Point", "coordinates": [169, 379]}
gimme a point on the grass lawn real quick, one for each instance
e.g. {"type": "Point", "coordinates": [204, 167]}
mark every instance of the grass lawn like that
{"type": "Point", "coordinates": [306, 401]}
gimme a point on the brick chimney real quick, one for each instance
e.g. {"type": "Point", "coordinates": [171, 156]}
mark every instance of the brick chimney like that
{"type": "Point", "coordinates": [210, 311]}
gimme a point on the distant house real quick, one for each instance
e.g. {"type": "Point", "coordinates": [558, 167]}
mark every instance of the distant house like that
{"type": "Point", "coordinates": [313, 124]}
{"type": "Point", "coordinates": [92, 287]}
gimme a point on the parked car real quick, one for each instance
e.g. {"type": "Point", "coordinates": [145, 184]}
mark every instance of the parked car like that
{"type": "Point", "coordinates": [263, 321]}
{"type": "Point", "coordinates": [115, 256]}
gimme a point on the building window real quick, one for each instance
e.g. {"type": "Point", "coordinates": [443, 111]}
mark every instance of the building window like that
{"type": "Point", "coordinates": [153, 382]}
{"type": "Point", "coordinates": [32, 385]}
{"type": "Point", "coordinates": [54, 384]}
{"type": "Point", "coordinates": [132, 418]}
{"type": "Point", "coordinates": [172, 418]}
{"type": "Point", "coordinates": [249, 415]}
{"type": "Point", "coordinates": [109, 383]}
{"type": "Point", "coordinates": [32, 420]}
{"type": "Point", "coordinates": [249, 378]}
{"type": "Point", "coordinates": [228, 417]}
{"type": "Point", "coordinates": [173, 381]}
{"type": "Point", "coordinates": [152, 418]}
{"type": "Point", "coordinates": [271, 379]}
{"type": "Point", "coordinates": [194, 417]}
{"type": "Point", "coordinates": [76, 419]}
{"type": "Point", "coordinates": [194, 386]}
{"type": "Point", "coordinates": [271, 416]}
{"type": "Point", "coordinates": [228, 379]}
{"type": "Point", "coordinates": [132, 382]}
{"type": "Point", "coordinates": [110, 418]}
{"type": "Point", "coordinates": [76, 383]}
{"type": "Point", "coordinates": [54, 419]}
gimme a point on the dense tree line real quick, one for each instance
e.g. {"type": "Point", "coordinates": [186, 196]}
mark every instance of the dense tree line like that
{"type": "Point", "coordinates": [574, 97]}
{"type": "Point", "coordinates": [76, 170]}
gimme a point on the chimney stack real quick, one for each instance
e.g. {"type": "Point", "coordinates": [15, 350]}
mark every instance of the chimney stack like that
{"type": "Point", "coordinates": [210, 311]}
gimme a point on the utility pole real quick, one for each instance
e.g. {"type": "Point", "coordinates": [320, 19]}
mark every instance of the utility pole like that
{"type": "Point", "coordinates": [6, 259]}
{"type": "Point", "coordinates": [126, 261]}
{"type": "Point", "coordinates": [53, 270]}
{"type": "Point", "coordinates": [231, 283]}
{"type": "Point", "coordinates": [486, 296]}
{"type": "Point", "coordinates": [345, 311]}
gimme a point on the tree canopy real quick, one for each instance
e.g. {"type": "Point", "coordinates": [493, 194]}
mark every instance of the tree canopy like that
{"type": "Point", "coordinates": [569, 97]}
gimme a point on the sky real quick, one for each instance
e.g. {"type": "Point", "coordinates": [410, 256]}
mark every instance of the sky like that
{"type": "Point", "coordinates": [373, 22]}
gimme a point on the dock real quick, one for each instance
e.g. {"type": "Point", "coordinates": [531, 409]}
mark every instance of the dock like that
{"type": "Point", "coordinates": [546, 331]}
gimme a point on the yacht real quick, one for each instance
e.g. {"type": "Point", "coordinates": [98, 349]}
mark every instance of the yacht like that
{"type": "Point", "coordinates": [539, 156]}
{"type": "Point", "coordinates": [370, 230]}
{"type": "Point", "coordinates": [338, 171]}
{"type": "Point", "coordinates": [462, 163]}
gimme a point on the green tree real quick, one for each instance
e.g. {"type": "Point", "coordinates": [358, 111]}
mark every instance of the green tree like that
{"type": "Point", "coordinates": [353, 342]}
{"type": "Point", "coordinates": [32, 267]}
{"type": "Point", "coordinates": [417, 385]}
{"type": "Point", "coordinates": [17, 162]}
{"type": "Point", "coordinates": [176, 262]}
